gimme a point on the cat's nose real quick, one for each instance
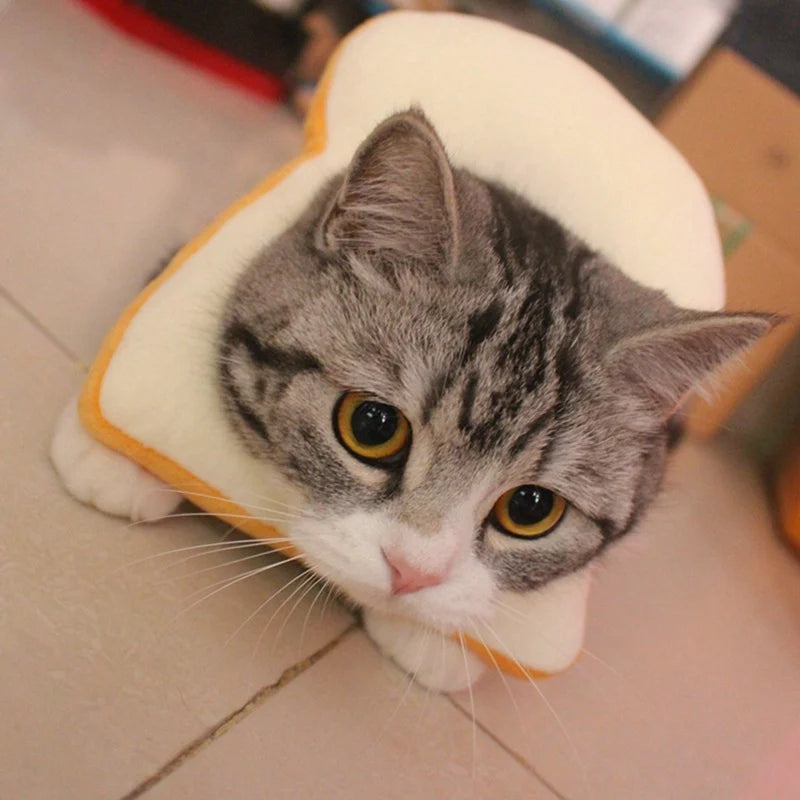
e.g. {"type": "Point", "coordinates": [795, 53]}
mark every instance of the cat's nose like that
{"type": "Point", "coordinates": [407, 578]}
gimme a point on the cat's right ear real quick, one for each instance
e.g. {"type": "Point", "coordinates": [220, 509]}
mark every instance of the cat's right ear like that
{"type": "Point", "coordinates": [396, 208]}
{"type": "Point", "coordinates": [668, 360]}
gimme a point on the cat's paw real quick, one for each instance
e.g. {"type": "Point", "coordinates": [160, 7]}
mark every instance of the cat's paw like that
{"type": "Point", "coordinates": [435, 660]}
{"type": "Point", "coordinates": [105, 479]}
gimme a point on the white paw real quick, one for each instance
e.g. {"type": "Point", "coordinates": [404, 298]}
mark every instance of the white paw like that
{"type": "Point", "coordinates": [434, 659]}
{"type": "Point", "coordinates": [105, 479]}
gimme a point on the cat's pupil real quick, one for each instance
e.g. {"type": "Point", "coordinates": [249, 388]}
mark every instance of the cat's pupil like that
{"type": "Point", "coordinates": [374, 423]}
{"type": "Point", "coordinates": [530, 504]}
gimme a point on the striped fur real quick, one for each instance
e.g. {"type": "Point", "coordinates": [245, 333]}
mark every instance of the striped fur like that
{"type": "Point", "coordinates": [517, 354]}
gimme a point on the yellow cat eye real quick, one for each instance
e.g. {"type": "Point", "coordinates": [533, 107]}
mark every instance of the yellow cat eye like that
{"type": "Point", "coordinates": [528, 512]}
{"type": "Point", "coordinates": [372, 431]}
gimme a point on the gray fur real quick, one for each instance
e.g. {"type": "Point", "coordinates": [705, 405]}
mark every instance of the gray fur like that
{"type": "Point", "coordinates": [518, 354]}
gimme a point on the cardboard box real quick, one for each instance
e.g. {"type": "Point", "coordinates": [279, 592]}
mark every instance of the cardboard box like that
{"type": "Point", "coordinates": [740, 130]}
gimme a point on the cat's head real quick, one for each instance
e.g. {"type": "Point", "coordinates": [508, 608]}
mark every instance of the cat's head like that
{"type": "Point", "coordinates": [468, 397]}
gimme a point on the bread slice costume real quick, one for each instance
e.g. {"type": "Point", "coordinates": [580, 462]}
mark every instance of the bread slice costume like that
{"type": "Point", "coordinates": [509, 107]}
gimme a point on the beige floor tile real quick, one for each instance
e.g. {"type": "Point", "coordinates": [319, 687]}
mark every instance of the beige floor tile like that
{"type": "Point", "coordinates": [347, 729]}
{"type": "Point", "coordinates": [115, 154]}
{"type": "Point", "coordinates": [698, 621]}
{"type": "Point", "coordinates": [103, 676]}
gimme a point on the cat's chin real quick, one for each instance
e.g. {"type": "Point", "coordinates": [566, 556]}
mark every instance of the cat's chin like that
{"type": "Point", "coordinates": [434, 659]}
{"type": "Point", "coordinates": [447, 609]}
{"type": "Point", "coordinates": [416, 611]}
{"type": "Point", "coordinates": [426, 615]}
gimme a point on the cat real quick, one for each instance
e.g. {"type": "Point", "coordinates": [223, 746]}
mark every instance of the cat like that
{"type": "Point", "coordinates": [470, 399]}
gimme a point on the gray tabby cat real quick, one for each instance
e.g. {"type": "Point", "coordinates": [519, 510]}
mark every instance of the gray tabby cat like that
{"type": "Point", "coordinates": [469, 397]}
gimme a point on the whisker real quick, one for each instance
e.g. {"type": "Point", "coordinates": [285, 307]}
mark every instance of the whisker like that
{"type": "Point", "coordinates": [243, 575]}
{"type": "Point", "coordinates": [252, 614]}
{"type": "Point", "coordinates": [209, 548]}
{"type": "Point", "coordinates": [510, 609]}
{"type": "Point", "coordinates": [629, 686]}
{"type": "Point", "coordinates": [331, 594]}
{"type": "Point", "coordinates": [230, 582]}
{"type": "Point", "coordinates": [302, 510]}
{"type": "Point", "coordinates": [410, 677]}
{"type": "Point", "coordinates": [442, 653]}
{"type": "Point", "coordinates": [227, 533]}
{"type": "Point", "coordinates": [185, 490]}
{"type": "Point", "coordinates": [312, 580]}
{"type": "Point", "coordinates": [471, 706]}
{"type": "Point", "coordinates": [261, 606]}
{"type": "Point", "coordinates": [305, 576]}
{"type": "Point", "coordinates": [206, 514]}
{"type": "Point", "coordinates": [412, 674]}
{"type": "Point", "coordinates": [189, 494]}
{"type": "Point", "coordinates": [216, 566]}
{"type": "Point", "coordinates": [518, 711]}
{"type": "Point", "coordinates": [323, 588]}
{"type": "Point", "coordinates": [546, 638]}
{"type": "Point", "coordinates": [616, 673]}
{"type": "Point", "coordinates": [269, 545]}
{"type": "Point", "coordinates": [319, 580]}
{"type": "Point", "coordinates": [562, 727]}
{"type": "Point", "coordinates": [425, 706]}
{"type": "Point", "coordinates": [224, 545]}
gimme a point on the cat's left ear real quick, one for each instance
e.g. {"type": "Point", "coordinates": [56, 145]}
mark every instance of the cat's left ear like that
{"type": "Point", "coordinates": [397, 205]}
{"type": "Point", "coordinates": [667, 361]}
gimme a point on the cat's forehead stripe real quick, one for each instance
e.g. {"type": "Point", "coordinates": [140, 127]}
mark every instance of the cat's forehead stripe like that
{"type": "Point", "coordinates": [290, 360]}
{"type": "Point", "coordinates": [539, 424]}
{"type": "Point", "coordinates": [438, 386]}
{"type": "Point", "coordinates": [467, 401]}
{"type": "Point", "coordinates": [481, 325]}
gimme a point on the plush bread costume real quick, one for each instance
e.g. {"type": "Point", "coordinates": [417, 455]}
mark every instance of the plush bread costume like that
{"type": "Point", "coordinates": [508, 106]}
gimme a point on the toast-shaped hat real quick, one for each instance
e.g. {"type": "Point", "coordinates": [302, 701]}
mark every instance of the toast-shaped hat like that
{"type": "Point", "coordinates": [509, 107]}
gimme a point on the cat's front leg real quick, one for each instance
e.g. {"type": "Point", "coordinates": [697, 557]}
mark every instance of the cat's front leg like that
{"type": "Point", "coordinates": [105, 479]}
{"type": "Point", "coordinates": [434, 659]}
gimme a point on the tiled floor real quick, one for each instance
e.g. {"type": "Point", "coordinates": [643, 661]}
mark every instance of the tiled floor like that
{"type": "Point", "coordinates": [113, 684]}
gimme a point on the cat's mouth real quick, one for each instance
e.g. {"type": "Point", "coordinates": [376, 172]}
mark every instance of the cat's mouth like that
{"type": "Point", "coordinates": [375, 575]}
{"type": "Point", "coordinates": [437, 606]}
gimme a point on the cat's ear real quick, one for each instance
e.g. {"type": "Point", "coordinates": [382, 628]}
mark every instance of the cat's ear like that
{"type": "Point", "coordinates": [667, 361]}
{"type": "Point", "coordinates": [398, 201]}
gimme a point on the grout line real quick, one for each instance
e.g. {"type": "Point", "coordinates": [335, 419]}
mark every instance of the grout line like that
{"type": "Point", "coordinates": [222, 727]}
{"type": "Point", "coordinates": [286, 677]}
{"type": "Point", "coordinates": [46, 332]}
{"type": "Point", "coordinates": [520, 759]}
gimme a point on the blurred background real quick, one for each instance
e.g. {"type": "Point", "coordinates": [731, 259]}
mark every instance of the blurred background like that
{"type": "Point", "coordinates": [720, 78]}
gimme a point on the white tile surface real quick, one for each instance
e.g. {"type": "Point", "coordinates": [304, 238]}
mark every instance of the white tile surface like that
{"type": "Point", "coordinates": [103, 674]}
{"type": "Point", "coordinates": [698, 621]}
{"type": "Point", "coordinates": [112, 154]}
{"type": "Point", "coordinates": [362, 735]}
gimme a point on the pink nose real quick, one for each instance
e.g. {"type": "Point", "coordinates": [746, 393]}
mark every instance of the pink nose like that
{"type": "Point", "coordinates": [407, 578]}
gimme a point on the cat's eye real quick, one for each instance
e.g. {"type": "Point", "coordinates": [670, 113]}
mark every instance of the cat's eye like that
{"type": "Point", "coordinates": [528, 512]}
{"type": "Point", "coordinates": [372, 431]}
